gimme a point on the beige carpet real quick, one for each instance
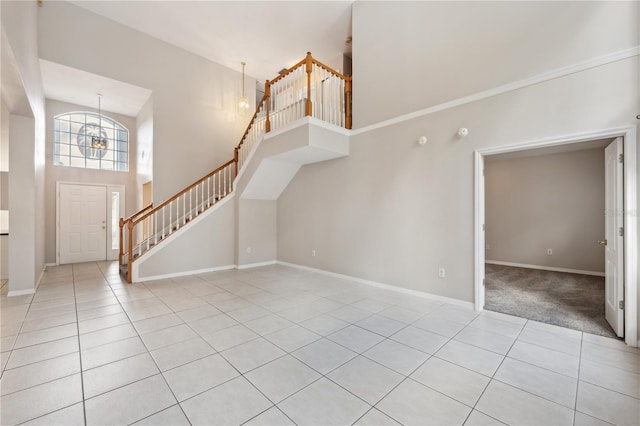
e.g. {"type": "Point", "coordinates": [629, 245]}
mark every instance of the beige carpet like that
{"type": "Point", "coordinates": [568, 300]}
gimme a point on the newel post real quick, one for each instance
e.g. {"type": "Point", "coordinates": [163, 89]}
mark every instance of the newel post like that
{"type": "Point", "coordinates": [267, 93]}
{"type": "Point", "coordinates": [347, 86]}
{"type": "Point", "coordinates": [121, 248]}
{"type": "Point", "coordinates": [309, 69]}
{"type": "Point", "coordinates": [130, 254]}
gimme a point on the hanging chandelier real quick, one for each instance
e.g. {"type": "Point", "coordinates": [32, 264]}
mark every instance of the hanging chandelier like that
{"type": "Point", "coordinates": [243, 103]}
{"type": "Point", "coordinates": [99, 142]}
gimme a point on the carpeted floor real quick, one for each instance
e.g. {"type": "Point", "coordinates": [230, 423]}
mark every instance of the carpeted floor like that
{"type": "Point", "coordinates": [568, 300]}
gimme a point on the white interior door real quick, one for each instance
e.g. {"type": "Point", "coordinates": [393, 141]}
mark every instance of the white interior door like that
{"type": "Point", "coordinates": [83, 223]}
{"type": "Point", "coordinates": [614, 248]}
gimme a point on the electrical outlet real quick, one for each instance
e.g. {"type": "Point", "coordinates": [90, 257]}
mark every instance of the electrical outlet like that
{"type": "Point", "coordinates": [249, 250]}
{"type": "Point", "coordinates": [442, 273]}
{"type": "Point", "coordinates": [549, 252]}
{"type": "Point", "coordinates": [313, 253]}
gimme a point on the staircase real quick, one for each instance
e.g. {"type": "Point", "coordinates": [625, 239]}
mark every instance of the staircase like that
{"type": "Point", "coordinates": [308, 89]}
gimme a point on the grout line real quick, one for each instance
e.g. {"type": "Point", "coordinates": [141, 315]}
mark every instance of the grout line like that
{"type": "Point", "coordinates": [84, 408]}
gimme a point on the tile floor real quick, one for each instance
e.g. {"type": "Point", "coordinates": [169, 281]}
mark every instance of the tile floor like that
{"type": "Point", "coordinates": [280, 346]}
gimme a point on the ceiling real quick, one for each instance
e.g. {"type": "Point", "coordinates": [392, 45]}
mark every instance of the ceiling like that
{"type": "Point", "coordinates": [78, 87]}
{"type": "Point", "coordinates": [267, 35]}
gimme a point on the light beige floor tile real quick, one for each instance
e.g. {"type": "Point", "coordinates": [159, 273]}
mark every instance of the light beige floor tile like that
{"type": "Point", "coordinates": [46, 335]}
{"type": "Point", "coordinates": [119, 373]}
{"type": "Point", "coordinates": [396, 356]}
{"type": "Point", "coordinates": [471, 357]}
{"type": "Point", "coordinates": [167, 336]}
{"type": "Point", "coordinates": [422, 340]}
{"type": "Point", "coordinates": [456, 382]}
{"type": "Point", "coordinates": [324, 355]}
{"type": "Point", "coordinates": [43, 351]}
{"type": "Point", "coordinates": [108, 335]}
{"type": "Point", "coordinates": [273, 416]}
{"type": "Point", "coordinates": [35, 374]}
{"type": "Point", "coordinates": [231, 403]}
{"type": "Point", "coordinates": [323, 403]}
{"type": "Point", "coordinates": [610, 378]}
{"type": "Point", "coordinates": [414, 404]}
{"type": "Point", "coordinates": [516, 407]}
{"type": "Point", "coordinates": [281, 378]}
{"type": "Point", "coordinates": [292, 338]}
{"type": "Point", "coordinates": [607, 405]}
{"type": "Point", "coordinates": [376, 418]}
{"type": "Point", "coordinates": [114, 351]}
{"type": "Point", "coordinates": [546, 358]}
{"type": "Point", "coordinates": [324, 324]}
{"type": "Point", "coordinates": [268, 324]}
{"type": "Point", "coordinates": [19, 407]}
{"type": "Point", "coordinates": [476, 418]}
{"type": "Point", "coordinates": [229, 337]}
{"type": "Point", "coordinates": [68, 416]}
{"type": "Point", "coordinates": [135, 402]}
{"type": "Point", "coordinates": [252, 354]}
{"type": "Point", "coordinates": [493, 342]}
{"type": "Point", "coordinates": [616, 358]}
{"type": "Point", "coordinates": [381, 325]}
{"type": "Point", "coordinates": [538, 381]}
{"type": "Point", "coordinates": [100, 323]}
{"type": "Point", "coordinates": [198, 376]}
{"type": "Point", "coordinates": [181, 353]}
{"type": "Point", "coordinates": [172, 416]}
{"type": "Point", "coordinates": [366, 379]}
{"type": "Point", "coordinates": [550, 340]}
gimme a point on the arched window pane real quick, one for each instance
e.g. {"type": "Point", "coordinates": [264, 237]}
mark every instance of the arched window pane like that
{"type": "Point", "coordinates": [84, 139]}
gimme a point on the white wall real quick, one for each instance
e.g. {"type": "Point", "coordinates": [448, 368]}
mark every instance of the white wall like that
{"type": "Point", "coordinates": [144, 149]}
{"type": "Point", "coordinates": [78, 175]}
{"type": "Point", "coordinates": [412, 55]}
{"type": "Point", "coordinates": [554, 201]}
{"type": "Point", "coordinates": [256, 231]}
{"type": "Point", "coordinates": [195, 123]}
{"type": "Point", "coordinates": [395, 212]}
{"type": "Point", "coordinates": [26, 151]}
{"type": "Point", "coordinates": [205, 244]}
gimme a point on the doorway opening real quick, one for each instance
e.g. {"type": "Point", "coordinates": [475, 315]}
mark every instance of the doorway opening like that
{"type": "Point", "coordinates": [529, 270]}
{"type": "Point", "coordinates": [87, 221]}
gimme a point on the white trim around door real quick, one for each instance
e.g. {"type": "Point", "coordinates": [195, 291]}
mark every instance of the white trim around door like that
{"type": "Point", "coordinates": [630, 215]}
{"type": "Point", "coordinates": [112, 227]}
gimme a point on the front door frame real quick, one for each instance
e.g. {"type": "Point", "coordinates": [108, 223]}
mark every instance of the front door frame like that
{"type": "Point", "coordinates": [109, 189]}
{"type": "Point", "coordinates": [630, 223]}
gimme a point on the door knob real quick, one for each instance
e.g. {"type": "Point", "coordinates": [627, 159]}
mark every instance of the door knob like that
{"type": "Point", "coordinates": [603, 242]}
{"type": "Point", "coordinates": [104, 227]}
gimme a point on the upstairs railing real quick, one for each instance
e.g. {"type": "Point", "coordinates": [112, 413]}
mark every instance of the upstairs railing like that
{"type": "Point", "coordinates": [309, 88]}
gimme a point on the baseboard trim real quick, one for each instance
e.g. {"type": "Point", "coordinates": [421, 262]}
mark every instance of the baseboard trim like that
{"type": "Point", "coordinates": [256, 265]}
{"type": "Point", "coordinates": [183, 273]}
{"type": "Point", "coordinates": [403, 290]}
{"type": "Point", "coordinates": [13, 293]}
{"type": "Point", "coordinates": [545, 268]}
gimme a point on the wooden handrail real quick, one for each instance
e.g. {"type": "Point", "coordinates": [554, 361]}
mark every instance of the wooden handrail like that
{"type": "Point", "coordinates": [238, 155]}
{"type": "Point", "coordinates": [184, 191]}
{"type": "Point", "coordinates": [283, 74]}
{"type": "Point", "coordinates": [255, 115]}
{"type": "Point", "coordinates": [137, 213]}
{"type": "Point", "coordinates": [330, 70]}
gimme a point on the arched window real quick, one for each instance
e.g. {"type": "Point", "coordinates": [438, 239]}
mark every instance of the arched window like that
{"type": "Point", "coordinates": [84, 139]}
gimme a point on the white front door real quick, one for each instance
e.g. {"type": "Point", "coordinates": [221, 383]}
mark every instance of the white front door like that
{"type": "Point", "coordinates": [83, 223]}
{"type": "Point", "coordinates": [614, 249]}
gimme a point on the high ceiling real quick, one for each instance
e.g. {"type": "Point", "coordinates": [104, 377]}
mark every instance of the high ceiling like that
{"type": "Point", "coordinates": [268, 35]}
